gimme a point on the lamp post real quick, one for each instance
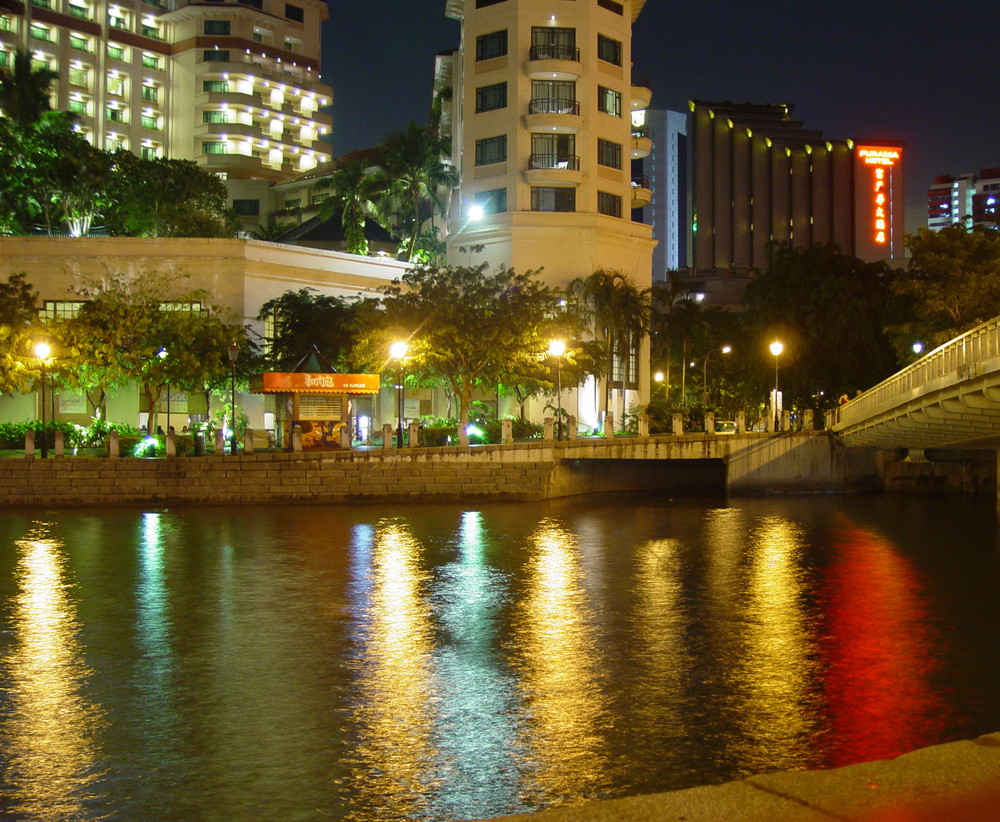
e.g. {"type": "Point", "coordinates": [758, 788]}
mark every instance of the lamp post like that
{"type": "Point", "coordinates": [397, 351]}
{"type": "Point", "coordinates": [234, 352]}
{"type": "Point", "coordinates": [704, 372]}
{"type": "Point", "coordinates": [556, 349]}
{"type": "Point", "coordinates": [42, 351]}
{"type": "Point", "coordinates": [776, 349]}
{"type": "Point", "coordinates": [163, 355]}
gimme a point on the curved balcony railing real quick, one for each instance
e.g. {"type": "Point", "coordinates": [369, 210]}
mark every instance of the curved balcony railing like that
{"type": "Point", "coordinates": [552, 105]}
{"type": "Point", "coordinates": [640, 182]}
{"type": "Point", "coordinates": [639, 131]}
{"type": "Point", "coordinates": [553, 51]}
{"type": "Point", "coordinates": [569, 162]}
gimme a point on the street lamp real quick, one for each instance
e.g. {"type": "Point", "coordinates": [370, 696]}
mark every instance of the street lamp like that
{"type": "Point", "coordinates": [397, 351]}
{"type": "Point", "coordinates": [42, 351]}
{"type": "Point", "coordinates": [918, 347]}
{"type": "Point", "coordinates": [704, 373]}
{"type": "Point", "coordinates": [776, 349]}
{"type": "Point", "coordinates": [234, 352]}
{"type": "Point", "coordinates": [556, 349]}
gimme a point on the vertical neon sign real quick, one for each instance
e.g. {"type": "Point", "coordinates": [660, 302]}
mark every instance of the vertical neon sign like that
{"type": "Point", "coordinates": [881, 162]}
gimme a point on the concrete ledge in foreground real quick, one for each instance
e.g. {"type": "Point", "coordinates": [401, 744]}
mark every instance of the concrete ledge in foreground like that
{"type": "Point", "coordinates": [954, 782]}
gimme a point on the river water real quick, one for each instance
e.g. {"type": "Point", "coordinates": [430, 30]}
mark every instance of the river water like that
{"type": "Point", "coordinates": [448, 662]}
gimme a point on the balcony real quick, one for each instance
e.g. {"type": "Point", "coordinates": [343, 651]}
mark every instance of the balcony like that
{"type": "Point", "coordinates": [554, 62]}
{"type": "Point", "coordinates": [641, 144]}
{"type": "Point", "coordinates": [553, 115]}
{"type": "Point", "coordinates": [642, 194]}
{"type": "Point", "coordinates": [641, 92]}
{"type": "Point", "coordinates": [562, 170]}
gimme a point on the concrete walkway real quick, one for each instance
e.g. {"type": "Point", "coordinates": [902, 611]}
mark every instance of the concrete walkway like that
{"type": "Point", "coordinates": [955, 782]}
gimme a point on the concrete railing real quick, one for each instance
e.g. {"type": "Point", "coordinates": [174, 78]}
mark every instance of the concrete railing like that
{"type": "Point", "coordinates": [956, 360]}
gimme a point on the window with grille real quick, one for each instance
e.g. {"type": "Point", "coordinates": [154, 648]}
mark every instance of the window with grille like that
{"type": "Point", "coordinates": [609, 101]}
{"type": "Point", "coordinates": [150, 61]}
{"type": "Point", "coordinates": [59, 309]}
{"type": "Point", "coordinates": [609, 154]}
{"type": "Point", "coordinates": [215, 116]}
{"type": "Point", "coordinates": [544, 198]}
{"type": "Point", "coordinates": [491, 150]}
{"type": "Point", "coordinates": [493, 201]}
{"type": "Point", "coordinates": [151, 94]}
{"type": "Point", "coordinates": [609, 50]}
{"type": "Point", "coordinates": [489, 98]}
{"type": "Point", "coordinates": [610, 204]}
{"type": "Point", "coordinates": [215, 56]}
{"type": "Point", "coordinates": [491, 45]}
{"type": "Point", "coordinates": [215, 85]}
{"type": "Point", "coordinates": [79, 43]}
{"type": "Point", "coordinates": [216, 27]}
{"type": "Point", "coordinates": [213, 147]}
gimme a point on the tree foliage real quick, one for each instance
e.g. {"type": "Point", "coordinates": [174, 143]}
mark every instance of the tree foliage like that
{"type": "Point", "coordinates": [17, 317]}
{"type": "Point", "coordinates": [355, 191]}
{"type": "Point", "coordinates": [952, 284]}
{"type": "Point", "coordinates": [470, 327]}
{"type": "Point", "coordinates": [304, 318]}
{"type": "Point", "coordinates": [167, 198]}
{"type": "Point", "coordinates": [829, 309]}
{"type": "Point", "coordinates": [149, 329]}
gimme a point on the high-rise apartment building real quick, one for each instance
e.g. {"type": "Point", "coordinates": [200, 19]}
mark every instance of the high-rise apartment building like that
{"type": "Point", "coordinates": [966, 200]}
{"type": "Point", "coordinates": [547, 120]}
{"type": "Point", "coordinates": [666, 170]}
{"type": "Point", "coordinates": [232, 85]}
{"type": "Point", "coordinates": [544, 138]}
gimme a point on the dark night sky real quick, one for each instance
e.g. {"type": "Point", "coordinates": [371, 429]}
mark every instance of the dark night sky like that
{"type": "Point", "coordinates": [916, 70]}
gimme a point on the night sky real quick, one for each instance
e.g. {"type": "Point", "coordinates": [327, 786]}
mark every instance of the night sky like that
{"type": "Point", "coordinates": [916, 70]}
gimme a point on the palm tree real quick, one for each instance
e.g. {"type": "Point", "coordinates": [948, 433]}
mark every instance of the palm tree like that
{"type": "Point", "coordinates": [24, 90]}
{"type": "Point", "coordinates": [355, 191]}
{"type": "Point", "coordinates": [618, 311]}
{"type": "Point", "coordinates": [415, 173]}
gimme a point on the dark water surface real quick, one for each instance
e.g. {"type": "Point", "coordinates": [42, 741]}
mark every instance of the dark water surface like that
{"type": "Point", "coordinates": [451, 662]}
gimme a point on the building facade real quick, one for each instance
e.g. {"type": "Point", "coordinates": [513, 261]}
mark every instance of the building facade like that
{"type": "Point", "coordinates": [232, 85]}
{"type": "Point", "coordinates": [666, 170]}
{"type": "Point", "coordinates": [759, 177]}
{"type": "Point", "coordinates": [966, 200]}
{"type": "Point", "coordinates": [544, 104]}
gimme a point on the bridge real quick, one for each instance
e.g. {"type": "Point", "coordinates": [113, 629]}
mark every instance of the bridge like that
{"type": "Point", "coordinates": [948, 398]}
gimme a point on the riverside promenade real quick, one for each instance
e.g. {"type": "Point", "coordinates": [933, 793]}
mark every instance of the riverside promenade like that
{"type": "Point", "coordinates": [954, 782]}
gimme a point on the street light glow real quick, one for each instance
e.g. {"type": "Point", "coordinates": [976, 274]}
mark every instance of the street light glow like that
{"type": "Point", "coordinates": [658, 376]}
{"type": "Point", "coordinates": [476, 213]}
{"type": "Point", "coordinates": [777, 348]}
{"type": "Point", "coordinates": [557, 348]}
{"type": "Point", "coordinates": [398, 349]}
{"type": "Point", "coordinates": [42, 350]}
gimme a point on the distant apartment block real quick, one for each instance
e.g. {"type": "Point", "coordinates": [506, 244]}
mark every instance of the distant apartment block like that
{"type": "Point", "coordinates": [666, 170]}
{"type": "Point", "coordinates": [966, 200]}
{"type": "Point", "coordinates": [232, 85]}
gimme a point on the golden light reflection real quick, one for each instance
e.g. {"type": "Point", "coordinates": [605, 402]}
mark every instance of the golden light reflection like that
{"type": "Point", "coordinates": [563, 692]}
{"type": "Point", "coordinates": [397, 753]}
{"type": "Point", "coordinates": [49, 725]}
{"type": "Point", "coordinates": [774, 675]}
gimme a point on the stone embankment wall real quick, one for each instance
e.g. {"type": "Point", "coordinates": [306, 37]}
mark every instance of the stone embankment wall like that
{"type": "Point", "coordinates": [745, 464]}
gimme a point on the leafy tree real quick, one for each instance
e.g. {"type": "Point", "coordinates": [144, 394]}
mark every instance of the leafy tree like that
{"type": "Point", "coordinates": [304, 318]}
{"type": "Point", "coordinates": [830, 310]}
{"type": "Point", "coordinates": [470, 327]}
{"type": "Point", "coordinates": [414, 175]}
{"type": "Point", "coordinates": [355, 190]}
{"type": "Point", "coordinates": [167, 198]}
{"type": "Point", "coordinates": [618, 312]}
{"type": "Point", "coordinates": [271, 230]}
{"type": "Point", "coordinates": [24, 90]}
{"type": "Point", "coordinates": [952, 285]}
{"type": "Point", "coordinates": [148, 329]}
{"type": "Point", "coordinates": [17, 316]}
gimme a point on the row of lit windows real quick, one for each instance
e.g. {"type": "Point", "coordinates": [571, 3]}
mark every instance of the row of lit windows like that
{"type": "Point", "coordinates": [548, 151]}
{"type": "Point", "coordinates": [276, 127]}
{"type": "Point", "coordinates": [548, 43]}
{"type": "Point", "coordinates": [223, 28]}
{"type": "Point", "coordinates": [547, 198]}
{"type": "Point", "coordinates": [273, 97]}
{"type": "Point", "coordinates": [610, 5]}
{"type": "Point", "coordinates": [548, 97]}
{"type": "Point", "coordinates": [274, 157]}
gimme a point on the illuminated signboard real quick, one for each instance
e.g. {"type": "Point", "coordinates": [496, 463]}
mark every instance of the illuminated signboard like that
{"type": "Point", "coordinates": [880, 164]}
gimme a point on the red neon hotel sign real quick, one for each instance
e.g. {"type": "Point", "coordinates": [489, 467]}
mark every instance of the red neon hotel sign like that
{"type": "Point", "coordinates": [881, 163]}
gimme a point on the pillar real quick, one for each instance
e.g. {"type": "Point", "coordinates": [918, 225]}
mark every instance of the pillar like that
{"type": "Point", "coordinates": [678, 427]}
{"type": "Point", "coordinates": [644, 425]}
{"type": "Point", "coordinates": [113, 444]}
{"type": "Point", "coordinates": [609, 425]}
{"type": "Point", "coordinates": [387, 432]}
{"type": "Point", "coordinates": [571, 432]}
{"type": "Point", "coordinates": [345, 438]}
{"type": "Point", "coordinates": [741, 422]}
{"type": "Point", "coordinates": [506, 432]}
{"type": "Point", "coordinates": [710, 423]}
{"type": "Point", "coordinates": [220, 441]}
{"type": "Point", "coordinates": [808, 423]}
{"type": "Point", "coordinates": [414, 428]}
{"type": "Point", "coordinates": [29, 442]}
{"type": "Point", "coordinates": [248, 441]}
{"type": "Point", "coordinates": [296, 438]}
{"type": "Point", "coordinates": [60, 444]}
{"type": "Point", "coordinates": [171, 444]}
{"type": "Point", "coordinates": [548, 426]}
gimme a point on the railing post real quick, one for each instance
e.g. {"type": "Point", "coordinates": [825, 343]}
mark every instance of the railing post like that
{"type": "Point", "coordinates": [547, 427]}
{"type": "Point", "coordinates": [571, 432]}
{"type": "Point", "coordinates": [710, 423]}
{"type": "Point", "coordinates": [346, 439]}
{"type": "Point", "coordinates": [609, 425]}
{"type": "Point", "coordinates": [506, 432]}
{"type": "Point", "coordinates": [60, 444]}
{"type": "Point", "coordinates": [29, 442]}
{"type": "Point", "coordinates": [414, 428]}
{"type": "Point", "coordinates": [807, 420]}
{"type": "Point", "coordinates": [644, 425]}
{"type": "Point", "coordinates": [113, 446]}
{"type": "Point", "coordinates": [386, 437]}
{"type": "Point", "coordinates": [741, 422]}
{"type": "Point", "coordinates": [220, 441]}
{"type": "Point", "coordinates": [248, 441]}
{"type": "Point", "coordinates": [296, 438]}
{"type": "Point", "coordinates": [786, 420]}
{"type": "Point", "coordinates": [171, 444]}
{"type": "Point", "coordinates": [678, 425]}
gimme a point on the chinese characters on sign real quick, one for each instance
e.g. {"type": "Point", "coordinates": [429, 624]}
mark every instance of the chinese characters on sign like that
{"type": "Point", "coordinates": [881, 162]}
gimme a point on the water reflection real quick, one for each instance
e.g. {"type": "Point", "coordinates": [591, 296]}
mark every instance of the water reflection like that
{"type": "Point", "coordinates": [882, 651]}
{"type": "Point", "coordinates": [562, 686]}
{"type": "Point", "coordinates": [396, 756]}
{"type": "Point", "coordinates": [49, 728]}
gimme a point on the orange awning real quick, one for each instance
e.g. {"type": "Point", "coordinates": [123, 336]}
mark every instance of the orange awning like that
{"type": "Point", "coordinates": [279, 382]}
